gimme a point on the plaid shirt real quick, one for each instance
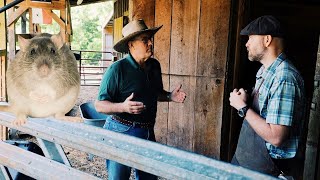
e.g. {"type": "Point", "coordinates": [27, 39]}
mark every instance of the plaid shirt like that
{"type": "Point", "coordinates": [282, 101]}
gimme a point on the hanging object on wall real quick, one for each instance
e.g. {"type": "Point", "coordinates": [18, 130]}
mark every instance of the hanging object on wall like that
{"type": "Point", "coordinates": [39, 16]}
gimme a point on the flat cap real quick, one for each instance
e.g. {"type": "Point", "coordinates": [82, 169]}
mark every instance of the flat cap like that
{"type": "Point", "coordinates": [264, 25]}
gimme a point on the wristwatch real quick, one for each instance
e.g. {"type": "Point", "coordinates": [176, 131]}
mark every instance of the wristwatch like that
{"type": "Point", "coordinates": [243, 111]}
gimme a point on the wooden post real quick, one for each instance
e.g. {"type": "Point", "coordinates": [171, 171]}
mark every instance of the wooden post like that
{"type": "Point", "coordinates": [63, 29]}
{"type": "Point", "coordinates": [3, 54]}
{"type": "Point", "coordinates": [11, 36]}
{"type": "Point", "coordinates": [30, 21]}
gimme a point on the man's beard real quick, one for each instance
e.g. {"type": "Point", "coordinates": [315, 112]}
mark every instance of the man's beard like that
{"type": "Point", "coordinates": [258, 57]}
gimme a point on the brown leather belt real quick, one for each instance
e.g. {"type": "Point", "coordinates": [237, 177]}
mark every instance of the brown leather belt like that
{"type": "Point", "coordinates": [132, 123]}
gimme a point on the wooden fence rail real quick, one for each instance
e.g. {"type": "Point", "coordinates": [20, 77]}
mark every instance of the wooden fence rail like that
{"type": "Point", "coordinates": [148, 156]}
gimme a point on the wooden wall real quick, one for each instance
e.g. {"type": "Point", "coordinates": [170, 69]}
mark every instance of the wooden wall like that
{"type": "Point", "coordinates": [192, 50]}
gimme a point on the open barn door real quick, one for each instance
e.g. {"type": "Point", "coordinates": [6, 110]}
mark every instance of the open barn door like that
{"type": "Point", "coordinates": [312, 170]}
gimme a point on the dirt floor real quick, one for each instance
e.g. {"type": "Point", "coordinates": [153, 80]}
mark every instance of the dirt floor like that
{"type": "Point", "coordinates": [78, 159]}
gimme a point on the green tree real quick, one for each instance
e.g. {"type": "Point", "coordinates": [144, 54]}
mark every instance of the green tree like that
{"type": "Point", "coordinates": [87, 22]}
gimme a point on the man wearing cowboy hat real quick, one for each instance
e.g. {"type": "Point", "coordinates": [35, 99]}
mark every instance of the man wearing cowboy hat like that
{"type": "Point", "coordinates": [130, 89]}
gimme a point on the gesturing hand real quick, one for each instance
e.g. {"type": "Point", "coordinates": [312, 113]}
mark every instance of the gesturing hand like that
{"type": "Point", "coordinates": [177, 95]}
{"type": "Point", "coordinates": [133, 107]}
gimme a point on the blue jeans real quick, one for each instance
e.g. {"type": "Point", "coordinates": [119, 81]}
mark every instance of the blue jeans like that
{"type": "Point", "coordinates": [117, 171]}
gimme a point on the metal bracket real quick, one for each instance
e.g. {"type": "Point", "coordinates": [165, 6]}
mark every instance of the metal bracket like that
{"type": "Point", "coordinates": [4, 173]}
{"type": "Point", "coordinates": [53, 151]}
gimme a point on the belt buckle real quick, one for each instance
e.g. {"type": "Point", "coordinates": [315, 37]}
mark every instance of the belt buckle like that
{"type": "Point", "coordinates": [133, 124]}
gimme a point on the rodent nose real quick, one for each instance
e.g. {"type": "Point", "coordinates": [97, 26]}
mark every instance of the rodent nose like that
{"type": "Point", "coordinates": [44, 70]}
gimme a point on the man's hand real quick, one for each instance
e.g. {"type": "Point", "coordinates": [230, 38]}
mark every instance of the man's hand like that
{"type": "Point", "coordinates": [238, 98]}
{"type": "Point", "coordinates": [133, 107]}
{"type": "Point", "coordinates": [177, 95]}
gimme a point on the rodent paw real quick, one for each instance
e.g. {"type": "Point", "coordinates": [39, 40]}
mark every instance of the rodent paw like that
{"type": "Point", "coordinates": [19, 122]}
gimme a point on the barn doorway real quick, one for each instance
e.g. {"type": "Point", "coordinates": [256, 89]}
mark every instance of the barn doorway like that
{"type": "Point", "coordinates": [298, 17]}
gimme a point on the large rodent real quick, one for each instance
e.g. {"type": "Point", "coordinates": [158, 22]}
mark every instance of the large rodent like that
{"type": "Point", "coordinates": [42, 80]}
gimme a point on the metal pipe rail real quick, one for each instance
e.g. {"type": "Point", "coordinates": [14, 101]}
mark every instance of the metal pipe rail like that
{"type": "Point", "coordinates": [13, 3]}
{"type": "Point", "coordinates": [155, 158]}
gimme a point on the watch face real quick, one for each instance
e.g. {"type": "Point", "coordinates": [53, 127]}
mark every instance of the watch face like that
{"type": "Point", "coordinates": [242, 112]}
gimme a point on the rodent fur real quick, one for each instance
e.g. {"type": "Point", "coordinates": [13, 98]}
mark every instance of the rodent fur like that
{"type": "Point", "coordinates": [43, 79]}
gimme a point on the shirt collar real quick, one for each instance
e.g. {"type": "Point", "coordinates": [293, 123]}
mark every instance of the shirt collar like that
{"type": "Point", "coordinates": [132, 61]}
{"type": "Point", "coordinates": [272, 68]}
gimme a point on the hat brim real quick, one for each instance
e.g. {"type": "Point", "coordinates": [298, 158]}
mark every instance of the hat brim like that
{"type": "Point", "coordinates": [122, 45]}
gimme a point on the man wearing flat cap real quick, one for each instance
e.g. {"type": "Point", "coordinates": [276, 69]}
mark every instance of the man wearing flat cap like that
{"type": "Point", "coordinates": [273, 118]}
{"type": "Point", "coordinates": [130, 89]}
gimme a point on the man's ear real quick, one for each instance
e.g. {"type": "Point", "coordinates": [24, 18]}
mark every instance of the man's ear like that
{"type": "Point", "coordinates": [267, 40]}
{"type": "Point", "coordinates": [130, 44]}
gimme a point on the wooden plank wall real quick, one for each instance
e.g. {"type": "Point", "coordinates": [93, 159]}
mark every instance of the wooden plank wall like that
{"type": "Point", "coordinates": [142, 9]}
{"type": "Point", "coordinates": [162, 43]}
{"type": "Point", "coordinates": [192, 50]}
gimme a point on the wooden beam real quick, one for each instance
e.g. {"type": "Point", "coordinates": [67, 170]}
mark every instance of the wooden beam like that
{"type": "Point", "coordinates": [56, 18]}
{"type": "Point", "coordinates": [13, 17]}
{"type": "Point", "coordinates": [37, 166]}
{"type": "Point", "coordinates": [55, 5]}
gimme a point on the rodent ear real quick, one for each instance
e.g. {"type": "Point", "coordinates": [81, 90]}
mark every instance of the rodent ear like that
{"type": "Point", "coordinates": [23, 43]}
{"type": "Point", "coordinates": [57, 40]}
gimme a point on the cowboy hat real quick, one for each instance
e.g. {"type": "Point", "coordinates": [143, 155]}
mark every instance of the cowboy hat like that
{"type": "Point", "coordinates": [131, 30]}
